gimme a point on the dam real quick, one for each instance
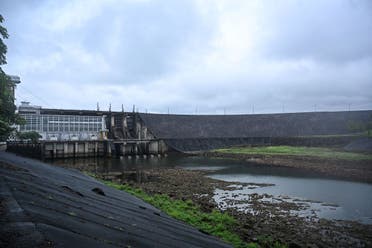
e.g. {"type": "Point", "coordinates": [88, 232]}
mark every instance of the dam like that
{"type": "Point", "coordinates": [84, 133]}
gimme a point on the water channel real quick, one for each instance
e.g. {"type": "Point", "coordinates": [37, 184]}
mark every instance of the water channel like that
{"type": "Point", "coordinates": [319, 196]}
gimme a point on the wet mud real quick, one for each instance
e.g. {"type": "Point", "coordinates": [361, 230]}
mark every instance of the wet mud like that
{"type": "Point", "coordinates": [360, 171]}
{"type": "Point", "coordinates": [265, 221]}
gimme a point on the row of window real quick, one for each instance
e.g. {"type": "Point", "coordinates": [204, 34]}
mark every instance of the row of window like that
{"type": "Point", "coordinates": [58, 123]}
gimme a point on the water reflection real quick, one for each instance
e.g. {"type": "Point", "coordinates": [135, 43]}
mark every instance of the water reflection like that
{"type": "Point", "coordinates": [328, 197]}
{"type": "Point", "coordinates": [112, 165]}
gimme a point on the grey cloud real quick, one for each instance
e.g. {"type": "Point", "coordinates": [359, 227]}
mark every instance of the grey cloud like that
{"type": "Point", "coordinates": [139, 41]}
{"type": "Point", "coordinates": [148, 37]}
{"type": "Point", "coordinates": [160, 54]}
{"type": "Point", "coordinates": [328, 31]}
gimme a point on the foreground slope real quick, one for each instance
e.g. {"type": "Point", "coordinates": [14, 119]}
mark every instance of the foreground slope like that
{"type": "Point", "coordinates": [46, 206]}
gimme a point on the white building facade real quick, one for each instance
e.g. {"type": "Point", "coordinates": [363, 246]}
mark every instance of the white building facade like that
{"type": "Point", "coordinates": [62, 125]}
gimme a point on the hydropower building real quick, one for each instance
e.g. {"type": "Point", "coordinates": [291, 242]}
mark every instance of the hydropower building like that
{"type": "Point", "coordinates": [62, 125]}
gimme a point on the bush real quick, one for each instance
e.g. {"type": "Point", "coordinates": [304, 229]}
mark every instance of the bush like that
{"type": "Point", "coordinates": [29, 136]}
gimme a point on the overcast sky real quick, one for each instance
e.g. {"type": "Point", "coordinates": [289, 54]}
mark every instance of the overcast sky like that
{"type": "Point", "coordinates": [205, 56]}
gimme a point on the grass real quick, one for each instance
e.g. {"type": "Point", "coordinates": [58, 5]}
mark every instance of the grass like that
{"type": "Point", "coordinates": [297, 151]}
{"type": "Point", "coordinates": [368, 133]}
{"type": "Point", "coordinates": [361, 134]}
{"type": "Point", "coordinates": [215, 223]}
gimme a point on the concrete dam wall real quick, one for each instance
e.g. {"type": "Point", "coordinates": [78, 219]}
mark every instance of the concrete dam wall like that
{"type": "Point", "coordinates": [203, 132]}
{"type": "Point", "coordinates": [136, 134]}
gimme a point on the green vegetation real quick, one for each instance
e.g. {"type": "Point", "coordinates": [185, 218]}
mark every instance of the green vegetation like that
{"type": "Point", "coordinates": [8, 117]}
{"type": "Point", "coordinates": [31, 136]}
{"type": "Point", "coordinates": [267, 241]}
{"type": "Point", "coordinates": [215, 223]}
{"type": "Point", "coordinates": [332, 135]}
{"type": "Point", "coordinates": [363, 127]}
{"type": "Point", "coordinates": [296, 151]}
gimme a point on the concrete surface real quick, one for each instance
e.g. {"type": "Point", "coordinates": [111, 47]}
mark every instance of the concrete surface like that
{"type": "Point", "coordinates": [165, 126]}
{"type": "Point", "coordinates": [46, 206]}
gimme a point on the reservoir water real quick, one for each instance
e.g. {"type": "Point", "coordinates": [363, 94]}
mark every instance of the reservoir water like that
{"type": "Point", "coordinates": [319, 196]}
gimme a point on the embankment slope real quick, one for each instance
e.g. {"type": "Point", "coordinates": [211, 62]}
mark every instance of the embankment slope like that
{"type": "Point", "coordinates": [46, 206]}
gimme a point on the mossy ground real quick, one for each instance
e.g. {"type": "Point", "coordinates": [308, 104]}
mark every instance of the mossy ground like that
{"type": "Point", "coordinates": [319, 152]}
{"type": "Point", "coordinates": [215, 222]}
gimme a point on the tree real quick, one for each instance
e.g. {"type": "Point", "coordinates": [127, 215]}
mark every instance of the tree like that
{"type": "Point", "coordinates": [29, 136]}
{"type": "Point", "coordinates": [362, 126]}
{"type": "Point", "coordinates": [3, 48]}
{"type": "Point", "coordinates": [8, 117]}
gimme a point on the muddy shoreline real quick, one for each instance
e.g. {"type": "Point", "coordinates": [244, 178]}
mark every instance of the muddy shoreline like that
{"type": "Point", "coordinates": [272, 220]}
{"type": "Point", "coordinates": [269, 221]}
{"type": "Point", "coordinates": [360, 171]}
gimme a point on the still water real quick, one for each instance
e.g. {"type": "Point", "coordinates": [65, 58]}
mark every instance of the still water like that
{"type": "Point", "coordinates": [325, 197]}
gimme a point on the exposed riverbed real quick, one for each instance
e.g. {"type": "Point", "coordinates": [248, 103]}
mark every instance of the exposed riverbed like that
{"type": "Point", "coordinates": [277, 201]}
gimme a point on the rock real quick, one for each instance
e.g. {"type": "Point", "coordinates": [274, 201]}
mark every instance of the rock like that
{"type": "Point", "coordinates": [98, 191]}
{"type": "Point", "coordinates": [294, 245]}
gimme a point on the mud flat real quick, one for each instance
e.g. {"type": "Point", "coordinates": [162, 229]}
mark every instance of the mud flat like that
{"type": "Point", "coordinates": [356, 170]}
{"type": "Point", "coordinates": [261, 218]}
{"type": "Point", "coordinates": [266, 221]}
